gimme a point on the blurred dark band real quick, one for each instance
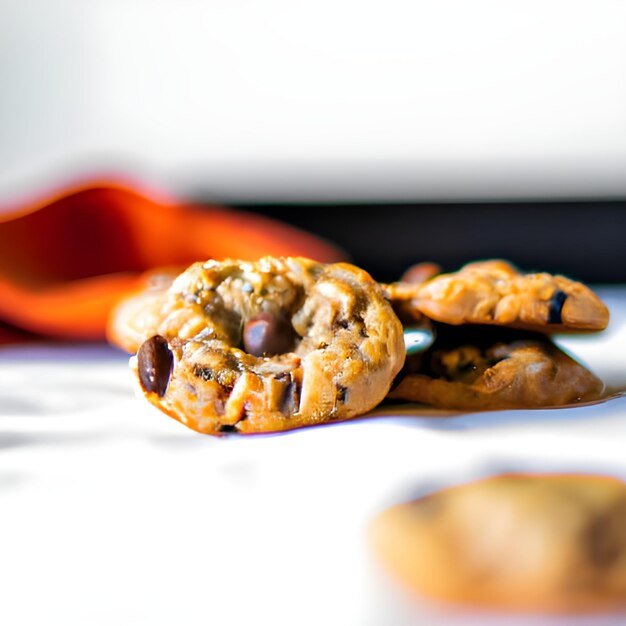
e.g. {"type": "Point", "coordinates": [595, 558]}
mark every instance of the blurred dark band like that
{"type": "Point", "coordinates": [583, 240]}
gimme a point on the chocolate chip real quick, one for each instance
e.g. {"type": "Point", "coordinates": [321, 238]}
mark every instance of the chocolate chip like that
{"type": "Point", "coordinates": [155, 363]}
{"type": "Point", "coordinates": [228, 428]}
{"type": "Point", "coordinates": [602, 537]}
{"type": "Point", "coordinates": [267, 334]}
{"type": "Point", "coordinates": [205, 373]}
{"type": "Point", "coordinates": [224, 377]}
{"type": "Point", "coordinates": [290, 400]}
{"type": "Point", "coordinates": [342, 392]}
{"type": "Point", "coordinates": [556, 306]}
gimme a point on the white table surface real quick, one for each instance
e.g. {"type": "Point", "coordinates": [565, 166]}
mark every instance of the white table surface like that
{"type": "Point", "coordinates": [113, 513]}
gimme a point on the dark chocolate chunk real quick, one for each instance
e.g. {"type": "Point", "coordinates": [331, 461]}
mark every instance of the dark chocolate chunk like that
{"type": "Point", "coordinates": [228, 428]}
{"type": "Point", "coordinates": [556, 306]}
{"type": "Point", "coordinates": [205, 373]}
{"type": "Point", "coordinates": [155, 362]}
{"type": "Point", "coordinates": [602, 537]}
{"type": "Point", "coordinates": [224, 377]}
{"type": "Point", "coordinates": [268, 334]}
{"type": "Point", "coordinates": [342, 392]}
{"type": "Point", "coordinates": [290, 402]}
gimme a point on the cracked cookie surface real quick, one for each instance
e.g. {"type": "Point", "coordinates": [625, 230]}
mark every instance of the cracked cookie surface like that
{"type": "Point", "coordinates": [488, 368]}
{"type": "Point", "coordinates": [494, 292]}
{"type": "Point", "coordinates": [209, 356]}
{"type": "Point", "coordinates": [529, 542]}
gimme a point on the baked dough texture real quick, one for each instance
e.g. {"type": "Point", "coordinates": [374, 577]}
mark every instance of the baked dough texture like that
{"type": "Point", "coordinates": [523, 542]}
{"type": "Point", "coordinates": [137, 318]}
{"type": "Point", "coordinates": [487, 368]}
{"type": "Point", "coordinates": [495, 292]}
{"type": "Point", "coordinates": [346, 349]}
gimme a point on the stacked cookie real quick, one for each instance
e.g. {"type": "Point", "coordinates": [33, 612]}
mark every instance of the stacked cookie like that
{"type": "Point", "coordinates": [491, 327]}
{"type": "Point", "coordinates": [244, 347]}
{"type": "Point", "coordinates": [523, 542]}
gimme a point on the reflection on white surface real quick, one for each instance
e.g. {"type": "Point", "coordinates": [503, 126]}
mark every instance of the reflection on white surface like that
{"type": "Point", "coordinates": [112, 513]}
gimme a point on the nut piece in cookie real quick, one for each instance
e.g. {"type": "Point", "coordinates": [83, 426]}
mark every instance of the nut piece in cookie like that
{"type": "Point", "coordinates": [487, 368]}
{"type": "Point", "coordinates": [266, 346]}
{"type": "Point", "coordinates": [494, 292]}
{"type": "Point", "coordinates": [554, 542]}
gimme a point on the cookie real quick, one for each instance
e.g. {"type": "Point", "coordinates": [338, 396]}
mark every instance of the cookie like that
{"type": "Point", "coordinates": [420, 273]}
{"type": "Point", "coordinates": [402, 292]}
{"type": "Point", "coordinates": [401, 296]}
{"type": "Point", "coordinates": [487, 368]}
{"type": "Point", "coordinates": [136, 318]}
{"type": "Point", "coordinates": [267, 346]}
{"type": "Point", "coordinates": [494, 292]}
{"type": "Point", "coordinates": [552, 542]}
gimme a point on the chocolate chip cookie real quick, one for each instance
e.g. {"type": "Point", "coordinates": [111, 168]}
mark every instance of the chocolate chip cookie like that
{"type": "Point", "coordinates": [552, 542]}
{"type": "Point", "coordinates": [402, 292]}
{"type": "Point", "coordinates": [494, 292]}
{"type": "Point", "coordinates": [266, 346]}
{"type": "Point", "coordinates": [486, 368]}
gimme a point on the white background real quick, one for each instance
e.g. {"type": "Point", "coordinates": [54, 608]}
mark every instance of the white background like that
{"type": "Point", "coordinates": [280, 99]}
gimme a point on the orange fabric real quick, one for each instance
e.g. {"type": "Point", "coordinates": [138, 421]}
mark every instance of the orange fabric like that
{"type": "Point", "coordinates": [66, 261]}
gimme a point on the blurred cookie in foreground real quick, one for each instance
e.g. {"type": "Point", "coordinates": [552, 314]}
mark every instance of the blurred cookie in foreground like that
{"type": "Point", "coordinates": [234, 346]}
{"type": "Point", "coordinates": [489, 368]}
{"type": "Point", "coordinates": [521, 542]}
{"type": "Point", "coordinates": [495, 292]}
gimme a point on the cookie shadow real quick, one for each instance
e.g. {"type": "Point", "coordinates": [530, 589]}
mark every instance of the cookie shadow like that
{"type": "Point", "coordinates": [434, 419]}
{"type": "Point", "coordinates": [14, 439]}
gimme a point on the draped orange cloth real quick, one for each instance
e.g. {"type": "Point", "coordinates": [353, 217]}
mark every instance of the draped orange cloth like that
{"type": "Point", "coordinates": [66, 260]}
